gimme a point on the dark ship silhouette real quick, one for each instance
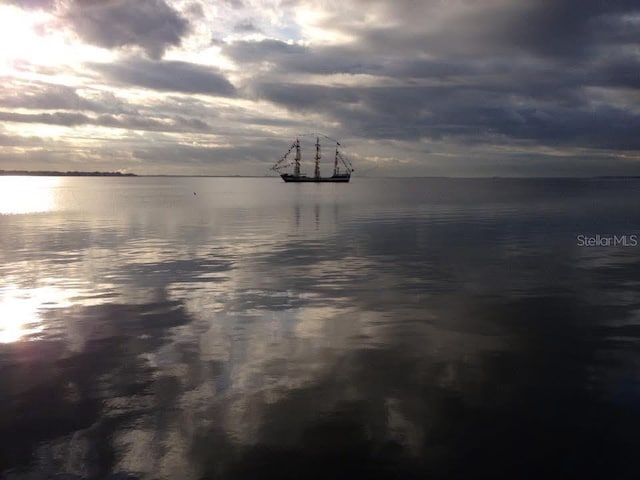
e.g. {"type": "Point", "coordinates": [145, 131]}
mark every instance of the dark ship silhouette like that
{"type": "Point", "coordinates": [338, 163]}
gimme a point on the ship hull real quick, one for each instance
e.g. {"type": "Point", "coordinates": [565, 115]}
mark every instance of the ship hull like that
{"type": "Point", "coordinates": [304, 179]}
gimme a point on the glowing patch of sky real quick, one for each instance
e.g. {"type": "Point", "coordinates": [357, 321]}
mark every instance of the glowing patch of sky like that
{"type": "Point", "coordinates": [34, 37]}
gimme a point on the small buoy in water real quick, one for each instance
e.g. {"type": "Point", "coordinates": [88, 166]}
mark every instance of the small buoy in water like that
{"type": "Point", "coordinates": [194, 193]}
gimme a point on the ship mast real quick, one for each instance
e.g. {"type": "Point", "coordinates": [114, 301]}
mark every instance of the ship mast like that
{"type": "Point", "coordinates": [336, 170]}
{"type": "Point", "coordinates": [317, 171]}
{"type": "Point", "coordinates": [297, 159]}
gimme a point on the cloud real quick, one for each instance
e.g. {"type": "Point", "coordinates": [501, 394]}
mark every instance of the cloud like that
{"type": "Point", "coordinates": [246, 27]}
{"type": "Point", "coordinates": [58, 118]}
{"type": "Point", "coordinates": [33, 4]}
{"type": "Point", "coordinates": [167, 76]}
{"type": "Point", "coordinates": [307, 97]}
{"type": "Point", "coordinates": [152, 25]}
{"type": "Point", "coordinates": [287, 57]}
{"type": "Point", "coordinates": [448, 81]}
{"type": "Point", "coordinates": [464, 115]}
{"type": "Point", "coordinates": [618, 71]}
{"type": "Point", "coordinates": [560, 28]}
{"type": "Point", "coordinates": [567, 28]}
{"type": "Point", "coordinates": [497, 74]}
{"type": "Point", "coordinates": [46, 96]}
{"type": "Point", "coordinates": [129, 122]}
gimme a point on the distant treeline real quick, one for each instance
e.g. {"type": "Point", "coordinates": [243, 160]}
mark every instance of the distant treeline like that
{"type": "Point", "coordinates": [66, 174]}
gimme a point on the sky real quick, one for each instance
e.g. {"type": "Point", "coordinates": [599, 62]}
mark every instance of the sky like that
{"type": "Point", "coordinates": [430, 87]}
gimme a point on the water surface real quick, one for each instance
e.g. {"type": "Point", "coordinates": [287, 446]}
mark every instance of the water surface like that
{"type": "Point", "coordinates": [388, 328]}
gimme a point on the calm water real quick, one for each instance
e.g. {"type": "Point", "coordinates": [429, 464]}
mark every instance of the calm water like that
{"type": "Point", "coordinates": [203, 328]}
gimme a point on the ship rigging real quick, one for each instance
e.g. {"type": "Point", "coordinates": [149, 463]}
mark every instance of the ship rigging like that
{"type": "Point", "coordinates": [339, 162]}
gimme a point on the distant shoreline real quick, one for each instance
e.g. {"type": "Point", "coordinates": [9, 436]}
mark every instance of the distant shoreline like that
{"type": "Point", "coordinates": [42, 173]}
{"type": "Point", "coordinates": [63, 174]}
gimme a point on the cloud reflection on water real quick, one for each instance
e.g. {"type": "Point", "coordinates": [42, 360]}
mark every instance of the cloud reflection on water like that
{"type": "Point", "coordinates": [437, 336]}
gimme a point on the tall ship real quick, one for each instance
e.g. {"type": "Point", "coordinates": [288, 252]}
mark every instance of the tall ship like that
{"type": "Point", "coordinates": [342, 168]}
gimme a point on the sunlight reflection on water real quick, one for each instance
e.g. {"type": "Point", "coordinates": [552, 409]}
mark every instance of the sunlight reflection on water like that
{"type": "Point", "coordinates": [18, 315]}
{"type": "Point", "coordinates": [20, 195]}
{"type": "Point", "coordinates": [21, 310]}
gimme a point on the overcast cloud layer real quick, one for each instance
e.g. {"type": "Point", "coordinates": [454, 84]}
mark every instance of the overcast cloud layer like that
{"type": "Point", "coordinates": [464, 88]}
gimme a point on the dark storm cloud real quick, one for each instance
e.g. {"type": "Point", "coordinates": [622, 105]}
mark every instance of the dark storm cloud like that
{"type": "Point", "coordinates": [152, 25]}
{"type": "Point", "coordinates": [168, 75]}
